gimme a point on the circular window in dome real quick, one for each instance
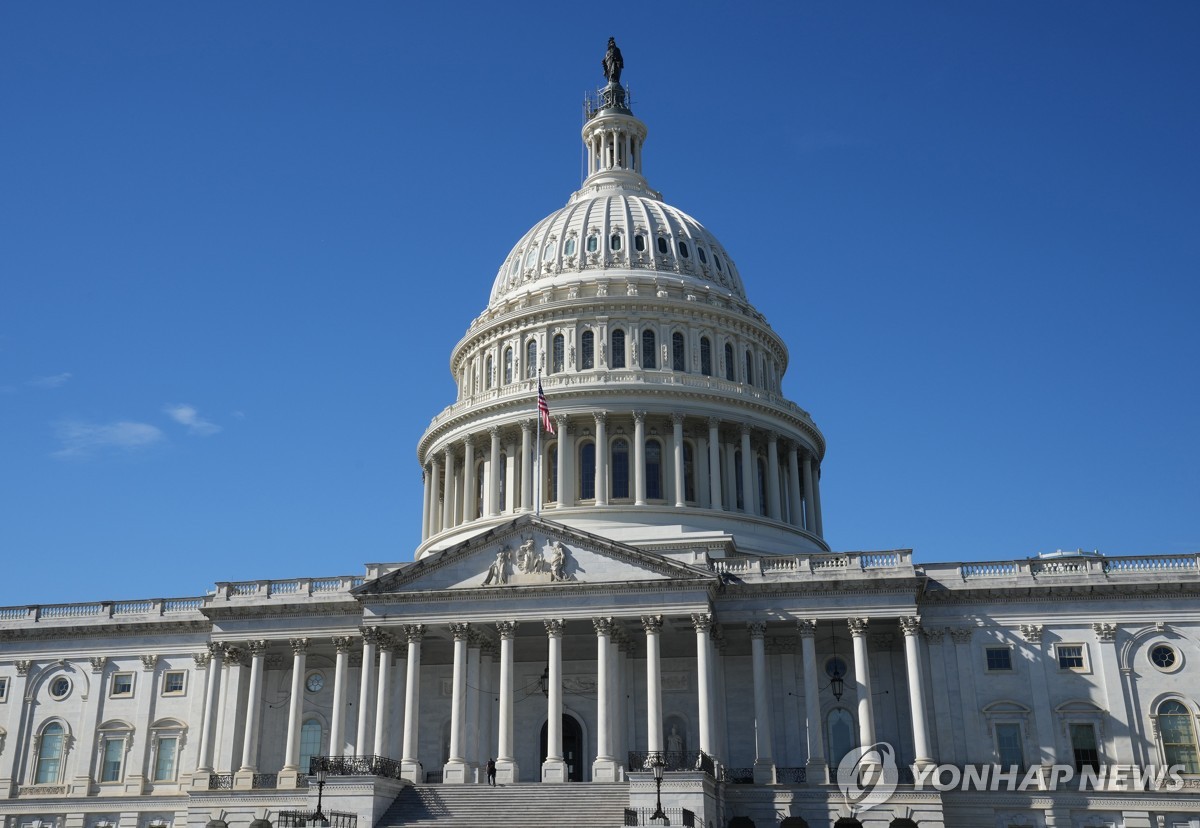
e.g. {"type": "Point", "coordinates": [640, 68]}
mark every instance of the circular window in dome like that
{"type": "Point", "coordinates": [662, 245]}
{"type": "Point", "coordinates": [700, 253]}
{"type": "Point", "coordinates": [569, 247]}
{"type": "Point", "coordinates": [60, 688]}
{"type": "Point", "coordinates": [1166, 658]}
{"type": "Point", "coordinates": [683, 251]}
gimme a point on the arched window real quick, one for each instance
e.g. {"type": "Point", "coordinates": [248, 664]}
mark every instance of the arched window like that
{"type": "Point", "coordinates": [1178, 736]}
{"type": "Point", "coordinates": [841, 735]}
{"type": "Point", "coordinates": [617, 359]}
{"type": "Point", "coordinates": [50, 755]}
{"type": "Point", "coordinates": [557, 354]}
{"type": "Point", "coordinates": [649, 350]}
{"type": "Point", "coordinates": [729, 372]}
{"type": "Point", "coordinates": [587, 471]}
{"type": "Point", "coordinates": [587, 351]}
{"type": "Point", "coordinates": [487, 373]}
{"type": "Point", "coordinates": [113, 740]}
{"type": "Point", "coordinates": [508, 365]}
{"type": "Point", "coordinates": [551, 482]}
{"type": "Point", "coordinates": [677, 356]}
{"type": "Point", "coordinates": [620, 468]}
{"type": "Point", "coordinates": [749, 368]}
{"type": "Point", "coordinates": [310, 743]}
{"type": "Point", "coordinates": [689, 473]}
{"type": "Point", "coordinates": [654, 470]}
{"type": "Point", "coordinates": [705, 356]}
{"type": "Point", "coordinates": [531, 359]}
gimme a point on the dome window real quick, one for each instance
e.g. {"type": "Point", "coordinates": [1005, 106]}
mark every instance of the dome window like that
{"type": "Point", "coordinates": [618, 349]}
{"type": "Point", "coordinates": [683, 251]}
{"type": "Point", "coordinates": [649, 350]}
{"type": "Point", "coordinates": [703, 257]}
{"type": "Point", "coordinates": [639, 243]}
{"type": "Point", "coordinates": [548, 252]}
{"type": "Point", "coordinates": [587, 351]}
{"type": "Point", "coordinates": [569, 247]}
{"type": "Point", "coordinates": [516, 264]}
{"type": "Point", "coordinates": [592, 243]}
{"type": "Point", "coordinates": [662, 245]}
{"type": "Point", "coordinates": [614, 242]}
{"type": "Point", "coordinates": [705, 356]}
{"type": "Point", "coordinates": [717, 259]}
{"type": "Point", "coordinates": [531, 257]}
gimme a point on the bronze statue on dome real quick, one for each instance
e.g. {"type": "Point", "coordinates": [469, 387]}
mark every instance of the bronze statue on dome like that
{"type": "Point", "coordinates": [613, 63]}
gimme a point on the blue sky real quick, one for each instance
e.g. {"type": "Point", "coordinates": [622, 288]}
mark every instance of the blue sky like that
{"type": "Point", "coordinates": [238, 241]}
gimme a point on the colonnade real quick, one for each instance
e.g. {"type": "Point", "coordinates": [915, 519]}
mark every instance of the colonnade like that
{"type": "Point", "coordinates": [475, 653]}
{"type": "Point", "coordinates": [704, 463]}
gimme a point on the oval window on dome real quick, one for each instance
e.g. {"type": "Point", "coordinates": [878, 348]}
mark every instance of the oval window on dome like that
{"type": "Point", "coordinates": [569, 247]}
{"type": "Point", "coordinates": [592, 244]}
{"type": "Point", "coordinates": [717, 259]}
{"type": "Point", "coordinates": [662, 245]}
{"type": "Point", "coordinates": [516, 264]}
{"type": "Point", "coordinates": [639, 243]}
{"type": "Point", "coordinates": [683, 251]}
{"type": "Point", "coordinates": [700, 253]}
{"type": "Point", "coordinates": [614, 243]}
{"type": "Point", "coordinates": [531, 257]}
{"type": "Point", "coordinates": [548, 252]}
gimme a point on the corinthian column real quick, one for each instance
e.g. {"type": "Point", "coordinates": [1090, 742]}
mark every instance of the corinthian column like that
{"type": "Point", "coordinates": [507, 771]}
{"type": "Point", "coordinates": [601, 459]}
{"type": "Point", "coordinates": [703, 623]}
{"type": "Point", "coordinates": [764, 764]}
{"type": "Point", "coordinates": [604, 769]}
{"type": "Point", "coordinates": [291, 769]}
{"type": "Point", "coordinates": [455, 769]}
{"type": "Point", "coordinates": [410, 766]}
{"type": "Point", "coordinates": [911, 626]}
{"type": "Point", "coordinates": [244, 778]}
{"type": "Point", "coordinates": [812, 701]}
{"type": "Point", "coordinates": [652, 624]}
{"type": "Point", "coordinates": [639, 458]}
{"type": "Point", "coordinates": [337, 719]}
{"type": "Point", "coordinates": [862, 682]}
{"type": "Point", "coordinates": [554, 769]}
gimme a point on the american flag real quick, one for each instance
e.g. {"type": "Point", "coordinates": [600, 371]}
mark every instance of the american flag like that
{"type": "Point", "coordinates": [544, 410]}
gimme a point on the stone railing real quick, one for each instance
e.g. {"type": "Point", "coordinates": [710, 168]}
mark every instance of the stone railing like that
{"type": "Point", "coordinates": [809, 564]}
{"type": "Point", "coordinates": [152, 607]}
{"type": "Point", "coordinates": [1081, 566]}
{"type": "Point", "coordinates": [293, 587]}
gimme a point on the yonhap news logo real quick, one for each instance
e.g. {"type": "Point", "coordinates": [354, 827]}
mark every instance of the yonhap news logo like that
{"type": "Point", "coordinates": [867, 777]}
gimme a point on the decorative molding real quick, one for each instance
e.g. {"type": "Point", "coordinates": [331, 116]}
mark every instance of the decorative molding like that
{"type": "Point", "coordinates": [149, 662]}
{"type": "Point", "coordinates": [23, 667]}
{"type": "Point", "coordinates": [858, 626]}
{"type": "Point", "coordinates": [98, 663]}
{"type": "Point", "coordinates": [1105, 632]}
{"type": "Point", "coordinates": [1032, 633]}
{"type": "Point", "coordinates": [910, 624]}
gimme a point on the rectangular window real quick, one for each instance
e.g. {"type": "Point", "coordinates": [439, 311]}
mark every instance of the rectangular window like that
{"type": "Point", "coordinates": [1008, 745]}
{"type": "Point", "coordinates": [1084, 750]}
{"type": "Point", "coordinates": [999, 659]}
{"type": "Point", "coordinates": [114, 751]}
{"type": "Point", "coordinates": [173, 682]}
{"type": "Point", "coordinates": [164, 762]}
{"type": "Point", "coordinates": [122, 685]}
{"type": "Point", "coordinates": [1070, 657]}
{"type": "Point", "coordinates": [4, 689]}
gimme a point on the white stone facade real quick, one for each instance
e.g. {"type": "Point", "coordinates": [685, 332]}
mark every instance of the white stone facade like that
{"type": "Point", "coordinates": [655, 581]}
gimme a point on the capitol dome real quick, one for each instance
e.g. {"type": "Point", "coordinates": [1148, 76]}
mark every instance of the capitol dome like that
{"type": "Point", "coordinates": [670, 431]}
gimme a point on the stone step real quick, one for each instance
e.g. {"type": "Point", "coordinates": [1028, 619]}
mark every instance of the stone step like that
{"type": "Point", "coordinates": [523, 805]}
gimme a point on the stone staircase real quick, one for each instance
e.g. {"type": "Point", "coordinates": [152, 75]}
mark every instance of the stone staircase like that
{"type": "Point", "coordinates": [526, 805]}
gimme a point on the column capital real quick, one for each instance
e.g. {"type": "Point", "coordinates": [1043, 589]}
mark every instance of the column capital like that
{"type": "Point", "coordinates": [934, 635]}
{"type": "Point", "coordinates": [961, 635]}
{"type": "Point", "coordinates": [460, 631]}
{"type": "Point", "coordinates": [714, 422]}
{"type": "Point", "coordinates": [758, 629]}
{"type": "Point", "coordinates": [299, 645]}
{"type": "Point", "coordinates": [772, 437]}
{"type": "Point", "coordinates": [807, 627]}
{"type": "Point", "coordinates": [342, 643]}
{"type": "Point", "coordinates": [257, 648]}
{"type": "Point", "coordinates": [370, 635]}
{"type": "Point", "coordinates": [702, 621]}
{"type": "Point", "coordinates": [652, 624]}
{"type": "Point", "coordinates": [601, 417]}
{"type": "Point", "coordinates": [201, 660]}
{"type": "Point", "coordinates": [858, 626]}
{"type": "Point", "coordinates": [1032, 633]}
{"type": "Point", "coordinates": [233, 654]}
{"type": "Point", "coordinates": [639, 416]}
{"type": "Point", "coordinates": [604, 626]}
{"type": "Point", "coordinates": [413, 633]}
{"type": "Point", "coordinates": [474, 639]}
{"type": "Point", "coordinates": [507, 630]}
{"type": "Point", "coordinates": [910, 624]}
{"type": "Point", "coordinates": [1105, 632]}
{"type": "Point", "coordinates": [554, 626]}
{"type": "Point", "coordinates": [448, 450]}
{"type": "Point", "coordinates": [216, 649]}
{"type": "Point", "coordinates": [494, 431]}
{"type": "Point", "coordinates": [745, 429]}
{"type": "Point", "coordinates": [149, 662]}
{"type": "Point", "coordinates": [98, 662]}
{"type": "Point", "coordinates": [677, 418]}
{"type": "Point", "coordinates": [527, 426]}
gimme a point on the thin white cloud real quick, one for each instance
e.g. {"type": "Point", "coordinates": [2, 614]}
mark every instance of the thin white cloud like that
{"type": "Point", "coordinates": [47, 383]}
{"type": "Point", "coordinates": [187, 415]}
{"type": "Point", "coordinates": [81, 439]}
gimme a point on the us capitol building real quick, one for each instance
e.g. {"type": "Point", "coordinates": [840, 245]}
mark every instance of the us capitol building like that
{"type": "Point", "coordinates": [637, 586]}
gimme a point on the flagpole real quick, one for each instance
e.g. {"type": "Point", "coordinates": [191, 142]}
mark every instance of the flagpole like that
{"type": "Point", "coordinates": [537, 500]}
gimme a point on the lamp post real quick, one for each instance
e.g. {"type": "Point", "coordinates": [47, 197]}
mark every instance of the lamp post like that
{"type": "Point", "coordinates": [318, 818]}
{"type": "Point", "coordinates": [657, 765]}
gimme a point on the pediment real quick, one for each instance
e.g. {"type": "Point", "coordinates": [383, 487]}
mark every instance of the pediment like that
{"type": "Point", "coordinates": [530, 551]}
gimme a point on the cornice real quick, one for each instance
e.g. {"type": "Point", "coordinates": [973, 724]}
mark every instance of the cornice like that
{"type": "Point", "coordinates": [38, 632]}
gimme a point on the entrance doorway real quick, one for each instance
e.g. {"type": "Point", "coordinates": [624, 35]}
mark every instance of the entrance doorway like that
{"type": "Point", "coordinates": [572, 742]}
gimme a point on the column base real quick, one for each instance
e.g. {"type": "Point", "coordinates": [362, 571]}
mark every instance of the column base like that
{"type": "Point", "coordinates": [554, 770]}
{"type": "Point", "coordinates": [243, 780]}
{"type": "Point", "coordinates": [816, 772]}
{"type": "Point", "coordinates": [288, 778]}
{"type": "Point", "coordinates": [411, 770]}
{"type": "Point", "coordinates": [507, 772]}
{"type": "Point", "coordinates": [605, 770]}
{"type": "Point", "coordinates": [456, 772]}
{"type": "Point", "coordinates": [200, 780]}
{"type": "Point", "coordinates": [764, 772]}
